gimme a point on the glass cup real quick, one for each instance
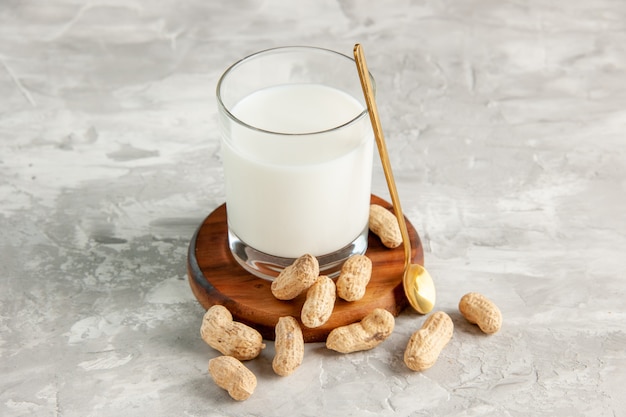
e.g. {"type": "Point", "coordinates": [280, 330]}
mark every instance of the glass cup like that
{"type": "Point", "coordinates": [297, 149]}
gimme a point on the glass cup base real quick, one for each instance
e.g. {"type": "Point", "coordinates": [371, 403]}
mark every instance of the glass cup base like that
{"type": "Point", "coordinates": [268, 266]}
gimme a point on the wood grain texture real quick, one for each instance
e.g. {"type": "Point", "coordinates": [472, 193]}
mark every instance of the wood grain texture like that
{"type": "Point", "coordinates": [215, 277]}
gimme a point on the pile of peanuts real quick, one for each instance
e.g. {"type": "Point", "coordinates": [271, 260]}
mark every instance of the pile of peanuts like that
{"type": "Point", "coordinates": [238, 342]}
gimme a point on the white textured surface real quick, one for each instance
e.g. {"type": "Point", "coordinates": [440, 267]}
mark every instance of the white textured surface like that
{"type": "Point", "coordinates": [506, 123]}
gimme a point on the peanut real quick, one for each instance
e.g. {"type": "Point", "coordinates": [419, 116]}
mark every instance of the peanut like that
{"type": "Point", "coordinates": [371, 331]}
{"type": "Point", "coordinates": [385, 225]}
{"type": "Point", "coordinates": [319, 304]}
{"type": "Point", "coordinates": [354, 276]}
{"type": "Point", "coordinates": [478, 309]}
{"type": "Point", "coordinates": [231, 375]}
{"type": "Point", "coordinates": [289, 345]}
{"type": "Point", "coordinates": [296, 278]}
{"type": "Point", "coordinates": [426, 344]}
{"type": "Point", "coordinates": [230, 337]}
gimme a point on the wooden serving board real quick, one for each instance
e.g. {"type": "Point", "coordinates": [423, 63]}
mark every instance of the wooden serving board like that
{"type": "Point", "coordinates": [215, 277]}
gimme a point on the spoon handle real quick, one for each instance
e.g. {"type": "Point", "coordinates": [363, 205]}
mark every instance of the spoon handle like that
{"type": "Point", "coordinates": [366, 84]}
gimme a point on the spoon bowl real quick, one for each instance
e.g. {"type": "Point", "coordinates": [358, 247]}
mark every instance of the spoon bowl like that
{"type": "Point", "coordinates": [417, 282]}
{"type": "Point", "coordinates": [419, 288]}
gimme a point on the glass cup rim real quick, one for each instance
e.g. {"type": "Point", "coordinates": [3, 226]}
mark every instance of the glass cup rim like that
{"type": "Point", "coordinates": [286, 48]}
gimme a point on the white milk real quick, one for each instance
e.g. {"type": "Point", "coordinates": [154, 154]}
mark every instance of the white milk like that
{"type": "Point", "coordinates": [293, 193]}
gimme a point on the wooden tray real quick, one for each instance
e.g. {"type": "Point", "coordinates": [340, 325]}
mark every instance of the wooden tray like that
{"type": "Point", "coordinates": [215, 277]}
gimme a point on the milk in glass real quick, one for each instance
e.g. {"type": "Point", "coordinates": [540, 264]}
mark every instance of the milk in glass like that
{"type": "Point", "coordinates": [298, 172]}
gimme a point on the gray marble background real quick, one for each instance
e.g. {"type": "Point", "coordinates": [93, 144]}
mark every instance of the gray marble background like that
{"type": "Point", "coordinates": [506, 124]}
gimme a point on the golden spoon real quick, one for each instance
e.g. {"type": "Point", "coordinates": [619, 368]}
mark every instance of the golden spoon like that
{"type": "Point", "coordinates": [418, 284]}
